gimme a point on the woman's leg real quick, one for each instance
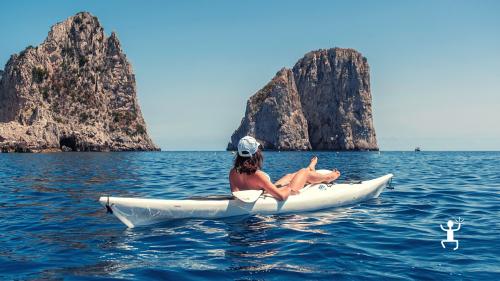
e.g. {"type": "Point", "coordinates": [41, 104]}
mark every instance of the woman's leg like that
{"type": "Point", "coordinates": [286, 179]}
{"type": "Point", "coordinates": [312, 164]}
{"type": "Point", "coordinates": [315, 177]}
{"type": "Point", "coordinates": [305, 175]}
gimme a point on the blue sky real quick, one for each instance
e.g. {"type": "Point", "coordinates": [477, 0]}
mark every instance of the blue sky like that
{"type": "Point", "coordinates": [435, 65]}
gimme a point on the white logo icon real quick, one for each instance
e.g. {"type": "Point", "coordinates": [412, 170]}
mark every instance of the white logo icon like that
{"type": "Point", "coordinates": [449, 232]}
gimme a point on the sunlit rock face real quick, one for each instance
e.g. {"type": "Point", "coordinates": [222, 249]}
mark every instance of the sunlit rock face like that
{"type": "Point", "coordinates": [334, 89]}
{"type": "Point", "coordinates": [274, 116]}
{"type": "Point", "coordinates": [323, 103]}
{"type": "Point", "coordinates": [75, 91]}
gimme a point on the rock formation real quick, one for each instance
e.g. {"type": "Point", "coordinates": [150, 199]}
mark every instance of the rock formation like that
{"type": "Point", "coordinates": [76, 91]}
{"type": "Point", "coordinates": [334, 100]}
{"type": "Point", "coordinates": [274, 116]}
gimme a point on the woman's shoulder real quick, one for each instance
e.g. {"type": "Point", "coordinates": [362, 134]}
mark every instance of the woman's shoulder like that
{"type": "Point", "coordinates": [263, 174]}
{"type": "Point", "coordinates": [232, 172]}
{"type": "Point", "coordinates": [258, 173]}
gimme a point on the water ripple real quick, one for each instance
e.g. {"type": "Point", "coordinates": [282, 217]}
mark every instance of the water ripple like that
{"type": "Point", "coordinates": [55, 229]}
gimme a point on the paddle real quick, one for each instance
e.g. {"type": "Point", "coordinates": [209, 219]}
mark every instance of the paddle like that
{"type": "Point", "coordinates": [248, 196]}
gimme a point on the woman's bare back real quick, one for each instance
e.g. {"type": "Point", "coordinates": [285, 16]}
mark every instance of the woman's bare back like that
{"type": "Point", "coordinates": [243, 181]}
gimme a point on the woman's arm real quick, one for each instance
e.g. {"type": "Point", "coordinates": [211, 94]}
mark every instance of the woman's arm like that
{"type": "Point", "coordinates": [278, 193]}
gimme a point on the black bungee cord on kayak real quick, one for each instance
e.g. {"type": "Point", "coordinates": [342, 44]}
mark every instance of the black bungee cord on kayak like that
{"type": "Point", "coordinates": [108, 207]}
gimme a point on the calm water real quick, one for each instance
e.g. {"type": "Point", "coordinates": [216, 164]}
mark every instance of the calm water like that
{"type": "Point", "coordinates": [53, 227]}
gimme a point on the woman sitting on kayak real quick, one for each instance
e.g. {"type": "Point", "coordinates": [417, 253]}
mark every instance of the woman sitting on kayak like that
{"type": "Point", "coordinates": [246, 173]}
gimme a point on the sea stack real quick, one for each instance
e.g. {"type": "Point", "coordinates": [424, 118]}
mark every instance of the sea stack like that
{"type": "Point", "coordinates": [74, 92]}
{"type": "Point", "coordinates": [274, 115]}
{"type": "Point", "coordinates": [332, 110]}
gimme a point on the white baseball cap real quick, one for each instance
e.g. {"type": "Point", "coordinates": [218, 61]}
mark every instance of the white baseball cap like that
{"type": "Point", "coordinates": [247, 146]}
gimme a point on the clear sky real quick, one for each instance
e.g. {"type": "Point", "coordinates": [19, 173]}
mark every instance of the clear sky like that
{"type": "Point", "coordinates": [435, 65]}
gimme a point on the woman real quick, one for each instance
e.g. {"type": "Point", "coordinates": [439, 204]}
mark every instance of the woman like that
{"type": "Point", "coordinates": [246, 173]}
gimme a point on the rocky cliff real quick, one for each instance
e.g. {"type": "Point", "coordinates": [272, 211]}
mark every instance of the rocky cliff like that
{"type": "Point", "coordinates": [76, 91]}
{"type": "Point", "coordinates": [274, 116]}
{"type": "Point", "coordinates": [332, 110]}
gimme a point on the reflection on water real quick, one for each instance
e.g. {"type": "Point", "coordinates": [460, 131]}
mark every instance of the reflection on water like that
{"type": "Point", "coordinates": [54, 228]}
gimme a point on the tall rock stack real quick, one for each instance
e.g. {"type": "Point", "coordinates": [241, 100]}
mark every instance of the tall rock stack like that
{"type": "Point", "coordinates": [334, 88]}
{"type": "Point", "coordinates": [334, 99]}
{"type": "Point", "coordinates": [274, 116]}
{"type": "Point", "coordinates": [76, 91]}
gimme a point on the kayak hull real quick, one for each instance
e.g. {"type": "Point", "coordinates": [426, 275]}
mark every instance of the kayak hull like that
{"type": "Point", "coordinates": [139, 211]}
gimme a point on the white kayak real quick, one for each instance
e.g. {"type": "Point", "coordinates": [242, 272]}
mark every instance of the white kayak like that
{"type": "Point", "coordinates": [141, 211]}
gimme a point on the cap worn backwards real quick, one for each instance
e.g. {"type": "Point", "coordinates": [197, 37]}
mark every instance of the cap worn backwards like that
{"type": "Point", "coordinates": [247, 146]}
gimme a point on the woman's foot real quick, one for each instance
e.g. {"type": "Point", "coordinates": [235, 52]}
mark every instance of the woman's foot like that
{"type": "Point", "coordinates": [312, 165]}
{"type": "Point", "coordinates": [335, 174]}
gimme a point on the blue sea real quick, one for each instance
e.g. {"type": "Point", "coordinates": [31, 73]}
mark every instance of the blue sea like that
{"type": "Point", "coordinates": [52, 227]}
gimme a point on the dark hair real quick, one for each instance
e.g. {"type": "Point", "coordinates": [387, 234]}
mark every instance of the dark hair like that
{"type": "Point", "coordinates": [248, 165]}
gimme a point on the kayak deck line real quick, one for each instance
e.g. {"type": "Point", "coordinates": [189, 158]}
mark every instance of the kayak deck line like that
{"type": "Point", "coordinates": [212, 197]}
{"type": "Point", "coordinates": [145, 211]}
